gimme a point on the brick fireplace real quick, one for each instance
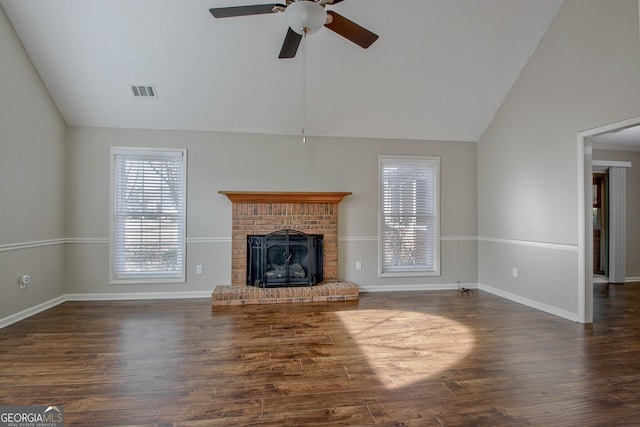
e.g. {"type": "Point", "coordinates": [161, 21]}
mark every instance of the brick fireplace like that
{"type": "Point", "coordinates": [261, 213]}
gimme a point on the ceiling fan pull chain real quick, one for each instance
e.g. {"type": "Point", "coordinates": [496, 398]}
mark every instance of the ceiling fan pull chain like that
{"type": "Point", "coordinates": [304, 84]}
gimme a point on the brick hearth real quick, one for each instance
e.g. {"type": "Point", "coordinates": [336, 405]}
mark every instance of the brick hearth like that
{"type": "Point", "coordinates": [261, 213]}
{"type": "Point", "coordinates": [241, 295]}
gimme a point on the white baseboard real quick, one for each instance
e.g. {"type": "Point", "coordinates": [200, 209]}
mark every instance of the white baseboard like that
{"type": "Point", "coordinates": [602, 279]}
{"type": "Point", "coordinates": [530, 303]}
{"type": "Point", "coordinates": [21, 315]}
{"type": "Point", "coordinates": [125, 296]}
{"type": "Point", "coordinates": [14, 318]}
{"type": "Point", "coordinates": [420, 287]}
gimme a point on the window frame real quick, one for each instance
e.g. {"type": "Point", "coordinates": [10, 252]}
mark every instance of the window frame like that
{"type": "Point", "coordinates": [427, 271]}
{"type": "Point", "coordinates": [145, 277]}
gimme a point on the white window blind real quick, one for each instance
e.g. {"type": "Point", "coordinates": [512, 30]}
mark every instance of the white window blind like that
{"type": "Point", "coordinates": [148, 215]}
{"type": "Point", "coordinates": [409, 216]}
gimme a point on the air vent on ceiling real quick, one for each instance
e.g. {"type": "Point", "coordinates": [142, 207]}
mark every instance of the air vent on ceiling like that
{"type": "Point", "coordinates": [144, 91]}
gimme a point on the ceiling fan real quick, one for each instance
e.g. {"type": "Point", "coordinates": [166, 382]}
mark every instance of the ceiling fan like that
{"type": "Point", "coordinates": [304, 17]}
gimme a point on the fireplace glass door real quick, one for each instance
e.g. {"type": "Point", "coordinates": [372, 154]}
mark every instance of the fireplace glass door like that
{"type": "Point", "coordinates": [284, 258]}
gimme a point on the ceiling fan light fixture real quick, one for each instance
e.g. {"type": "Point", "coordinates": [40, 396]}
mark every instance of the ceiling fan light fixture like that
{"type": "Point", "coordinates": [305, 17]}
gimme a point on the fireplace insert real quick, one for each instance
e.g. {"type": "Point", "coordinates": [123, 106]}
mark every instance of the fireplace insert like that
{"type": "Point", "coordinates": [284, 258]}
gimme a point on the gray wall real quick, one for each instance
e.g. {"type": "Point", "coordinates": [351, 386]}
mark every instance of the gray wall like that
{"type": "Point", "coordinates": [584, 74]}
{"type": "Point", "coordinates": [228, 161]}
{"type": "Point", "coordinates": [31, 175]}
{"type": "Point", "coordinates": [632, 258]}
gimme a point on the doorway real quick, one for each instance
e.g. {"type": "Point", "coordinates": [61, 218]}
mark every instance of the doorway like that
{"type": "Point", "coordinates": [585, 213]}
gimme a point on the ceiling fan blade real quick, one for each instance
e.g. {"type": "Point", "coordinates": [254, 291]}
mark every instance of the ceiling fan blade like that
{"type": "Point", "coordinates": [350, 30]}
{"type": "Point", "coordinates": [290, 45]}
{"type": "Point", "coordinates": [256, 9]}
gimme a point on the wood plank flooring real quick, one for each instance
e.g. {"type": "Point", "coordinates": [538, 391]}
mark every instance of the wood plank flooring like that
{"type": "Point", "coordinates": [436, 358]}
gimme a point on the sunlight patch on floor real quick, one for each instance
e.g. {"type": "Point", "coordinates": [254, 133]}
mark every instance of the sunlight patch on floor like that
{"type": "Point", "coordinates": [404, 347]}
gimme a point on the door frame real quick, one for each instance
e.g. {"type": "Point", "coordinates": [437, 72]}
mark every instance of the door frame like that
{"type": "Point", "coordinates": [585, 222]}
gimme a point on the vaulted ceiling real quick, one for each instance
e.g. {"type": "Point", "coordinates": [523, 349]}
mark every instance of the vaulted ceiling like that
{"type": "Point", "coordinates": [440, 69]}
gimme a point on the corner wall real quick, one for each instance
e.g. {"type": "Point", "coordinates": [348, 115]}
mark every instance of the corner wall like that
{"type": "Point", "coordinates": [32, 137]}
{"type": "Point", "coordinates": [583, 74]}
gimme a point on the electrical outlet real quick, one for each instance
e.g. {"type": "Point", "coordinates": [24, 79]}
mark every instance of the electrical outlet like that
{"type": "Point", "coordinates": [23, 281]}
{"type": "Point", "coordinates": [515, 272]}
{"type": "Point", "coordinates": [358, 265]}
{"type": "Point", "coordinates": [199, 269]}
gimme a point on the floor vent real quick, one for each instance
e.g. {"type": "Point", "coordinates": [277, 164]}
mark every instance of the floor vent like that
{"type": "Point", "coordinates": [144, 91]}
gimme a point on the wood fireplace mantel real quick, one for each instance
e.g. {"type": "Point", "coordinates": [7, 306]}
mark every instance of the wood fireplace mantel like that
{"type": "Point", "coordinates": [285, 197]}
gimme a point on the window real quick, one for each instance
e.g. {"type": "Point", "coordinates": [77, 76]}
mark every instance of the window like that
{"type": "Point", "coordinates": [409, 216]}
{"type": "Point", "coordinates": [147, 215]}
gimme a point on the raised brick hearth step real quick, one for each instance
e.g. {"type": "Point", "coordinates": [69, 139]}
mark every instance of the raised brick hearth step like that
{"type": "Point", "coordinates": [241, 295]}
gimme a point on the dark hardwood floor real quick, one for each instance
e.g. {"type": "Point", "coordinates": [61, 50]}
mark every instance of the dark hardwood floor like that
{"type": "Point", "coordinates": [407, 358]}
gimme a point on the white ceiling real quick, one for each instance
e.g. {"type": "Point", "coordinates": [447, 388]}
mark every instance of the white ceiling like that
{"type": "Point", "coordinates": [440, 69]}
{"type": "Point", "coordinates": [625, 139]}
